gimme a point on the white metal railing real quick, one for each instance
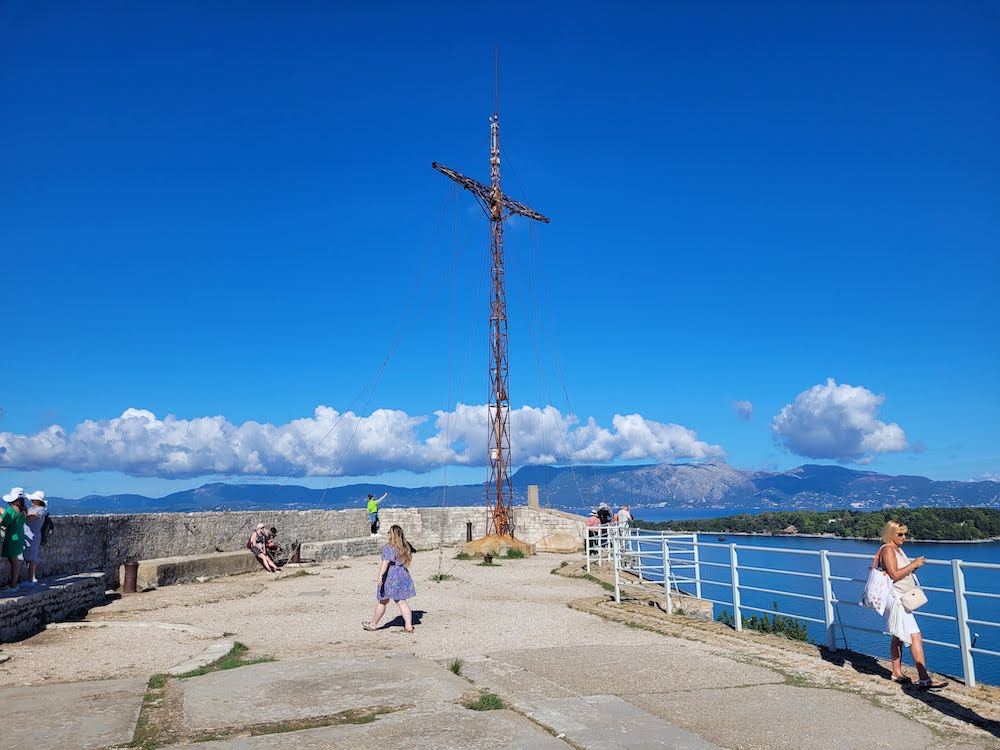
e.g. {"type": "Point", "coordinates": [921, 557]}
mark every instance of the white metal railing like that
{"type": "Point", "coordinates": [672, 560]}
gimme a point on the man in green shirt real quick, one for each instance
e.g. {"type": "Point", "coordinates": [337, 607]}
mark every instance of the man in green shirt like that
{"type": "Point", "coordinates": [373, 511]}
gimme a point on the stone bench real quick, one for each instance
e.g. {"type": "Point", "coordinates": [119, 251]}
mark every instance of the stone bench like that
{"type": "Point", "coordinates": [162, 571]}
{"type": "Point", "coordinates": [27, 611]}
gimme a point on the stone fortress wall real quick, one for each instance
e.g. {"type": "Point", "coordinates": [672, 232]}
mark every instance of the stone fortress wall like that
{"type": "Point", "coordinates": [428, 527]}
{"type": "Point", "coordinates": [102, 543]}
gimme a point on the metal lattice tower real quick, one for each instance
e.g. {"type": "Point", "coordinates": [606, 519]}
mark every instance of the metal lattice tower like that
{"type": "Point", "coordinates": [498, 207]}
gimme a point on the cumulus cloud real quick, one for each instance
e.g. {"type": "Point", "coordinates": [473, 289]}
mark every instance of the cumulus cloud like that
{"type": "Point", "coordinates": [744, 409]}
{"type": "Point", "coordinates": [838, 422]}
{"type": "Point", "coordinates": [139, 443]}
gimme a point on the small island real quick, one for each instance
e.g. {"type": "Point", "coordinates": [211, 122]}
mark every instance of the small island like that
{"type": "Point", "coordinates": [929, 524]}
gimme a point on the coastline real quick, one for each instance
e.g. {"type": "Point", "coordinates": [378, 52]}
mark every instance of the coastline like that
{"type": "Point", "coordinates": [834, 536]}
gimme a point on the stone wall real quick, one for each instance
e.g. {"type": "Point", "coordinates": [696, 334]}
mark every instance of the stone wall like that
{"type": "Point", "coordinates": [103, 543]}
{"type": "Point", "coordinates": [55, 599]}
{"type": "Point", "coordinates": [428, 527]}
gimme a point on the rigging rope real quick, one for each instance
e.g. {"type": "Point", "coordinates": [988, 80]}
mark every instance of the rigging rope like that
{"type": "Point", "coordinates": [552, 347]}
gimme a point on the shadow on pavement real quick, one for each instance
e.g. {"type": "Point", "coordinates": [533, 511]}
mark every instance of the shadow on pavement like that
{"type": "Point", "coordinates": [397, 621]}
{"type": "Point", "coordinates": [936, 699]}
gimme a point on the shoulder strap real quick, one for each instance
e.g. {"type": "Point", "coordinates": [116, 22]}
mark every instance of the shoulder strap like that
{"type": "Point", "coordinates": [875, 559]}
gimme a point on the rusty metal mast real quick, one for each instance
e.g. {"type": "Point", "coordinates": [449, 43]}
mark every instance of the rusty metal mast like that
{"type": "Point", "coordinates": [498, 207]}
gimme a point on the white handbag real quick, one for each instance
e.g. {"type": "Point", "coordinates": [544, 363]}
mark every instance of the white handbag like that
{"type": "Point", "coordinates": [913, 599]}
{"type": "Point", "coordinates": [878, 593]}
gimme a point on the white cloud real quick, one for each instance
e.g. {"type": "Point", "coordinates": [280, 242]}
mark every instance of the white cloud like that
{"type": "Point", "coordinates": [744, 409]}
{"type": "Point", "coordinates": [138, 443]}
{"type": "Point", "coordinates": [838, 422]}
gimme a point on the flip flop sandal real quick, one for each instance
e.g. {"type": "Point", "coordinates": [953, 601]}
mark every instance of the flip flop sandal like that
{"type": "Point", "coordinates": [901, 680]}
{"type": "Point", "coordinates": [931, 684]}
{"type": "Point", "coordinates": [368, 626]}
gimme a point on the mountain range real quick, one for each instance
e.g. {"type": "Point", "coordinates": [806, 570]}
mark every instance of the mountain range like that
{"type": "Point", "coordinates": [713, 484]}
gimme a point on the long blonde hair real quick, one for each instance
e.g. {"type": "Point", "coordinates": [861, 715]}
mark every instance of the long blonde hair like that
{"type": "Point", "coordinates": [397, 540]}
{"type": "Point", "coordinates": [890, 530]}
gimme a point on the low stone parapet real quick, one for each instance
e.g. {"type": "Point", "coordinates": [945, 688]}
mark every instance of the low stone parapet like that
{"type": "Point", "coordinates": [162, 571]}
{"type": "Point", "coordinates": [28, 610]}
{"type": "Point", "coordinates": [337, 548]}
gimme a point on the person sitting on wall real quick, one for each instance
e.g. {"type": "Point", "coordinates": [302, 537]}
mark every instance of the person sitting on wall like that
{"type": "Point", "coordinates": [258, 544]}
{"type": "Point", "coordinates": [273, 547]}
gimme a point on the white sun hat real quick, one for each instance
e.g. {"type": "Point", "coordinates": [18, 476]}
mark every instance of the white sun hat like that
{"type": "Point", "coordinates": [14, 494]}
{"type": "Point", "coordinates": [38, 495]}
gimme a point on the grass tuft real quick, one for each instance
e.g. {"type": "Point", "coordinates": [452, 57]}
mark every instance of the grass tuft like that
{"type": "Point", "coordinates": [486, 701]}
{"type": "Point", "coordinates": [297, 574]}
{"type": "Point", "coordinates": [603, 584]}
{"type": "Point", "coordinates": [463, 556]}
{"type": "Point", "coordinates": [513, 553]}
{"type": "Point", "coordinates": [438, 577]}
{"type": "Point", "coordinates": [455, 666]}
{"type": "Point", "coordinates": [232, 660]}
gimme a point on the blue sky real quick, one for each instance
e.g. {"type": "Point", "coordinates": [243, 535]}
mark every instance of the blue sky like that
{"type": "Point", "coordinates": [226, 213]}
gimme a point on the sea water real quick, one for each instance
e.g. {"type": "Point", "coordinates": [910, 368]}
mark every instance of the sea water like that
{"type": "Point", "coordinates": [939, 658]}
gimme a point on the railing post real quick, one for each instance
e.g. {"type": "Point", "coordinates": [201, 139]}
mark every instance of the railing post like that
{"type": "Point", "coordinates": [616, 564]}
{"type": "Point", "coordinates": [633, 547]}
{"type": "Point", "coordinates": [824, 565]}
{"type": "Point", "coordinates": [697, 566]}
{"type": "Point", "coordinates": [962, 610]}
{"type": "Point", "coordinates": [735, 574]}
{"type": "Point", "coordinates": [666, 578]}
{"type": "Point", "coordinates": [587, 545]}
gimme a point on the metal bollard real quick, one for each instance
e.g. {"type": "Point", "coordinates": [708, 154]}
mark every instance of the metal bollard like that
{"type": "Point", "coordinates": [468, 531]}
{"type": "Point", "coordinates": [131, 574]}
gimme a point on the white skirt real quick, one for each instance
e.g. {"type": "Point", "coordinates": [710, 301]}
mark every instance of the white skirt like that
{"type": "Point", "coordinates": [909, 621]}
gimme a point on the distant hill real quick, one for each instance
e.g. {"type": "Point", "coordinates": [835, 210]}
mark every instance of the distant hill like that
{"type": "Point", "coordinates": [713, 484]}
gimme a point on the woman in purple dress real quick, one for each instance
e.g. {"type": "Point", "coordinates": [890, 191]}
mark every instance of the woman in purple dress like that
{"type": "Point", "coordinates": [394, 581]}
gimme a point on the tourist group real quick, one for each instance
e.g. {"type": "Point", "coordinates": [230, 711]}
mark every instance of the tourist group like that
{"type": "Point", "coordinates": [24, 526]}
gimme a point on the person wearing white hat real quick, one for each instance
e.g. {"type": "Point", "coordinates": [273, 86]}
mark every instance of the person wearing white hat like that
{"type": "Point", "coordinates": [12, 528]}
{"type": "Point", "coordinates": [37, 514]}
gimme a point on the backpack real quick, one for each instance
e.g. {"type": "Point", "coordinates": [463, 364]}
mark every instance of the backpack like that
{"type": "Point", "coordinates": [605, 515]}
{"type": "Point", "coordinates": [48, 526]}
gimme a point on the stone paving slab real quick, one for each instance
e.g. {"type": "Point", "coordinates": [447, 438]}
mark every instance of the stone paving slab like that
{"type": "Point", "coordinates": [785, 717]}
{"type": "Point", "coordinates": [512, 679]}
{"type": "Point", "coordinates": [301, 689]}
{"type": "Point", "coordinates": [606, 722]}
{"type": "Point", "coordinates": [614, 670]}
{"type": "Point", "coordinates": [442, 726]}
{"type": "Point", "coordinates": [213, 653]}
{"type": "Point", "coordinates": [597, 722]}
{"type": "Point", "coordinates": [77, 715]}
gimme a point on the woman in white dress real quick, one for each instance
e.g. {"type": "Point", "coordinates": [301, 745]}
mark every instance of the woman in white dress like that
{"type": "Point", "coordinates": [900, 569]}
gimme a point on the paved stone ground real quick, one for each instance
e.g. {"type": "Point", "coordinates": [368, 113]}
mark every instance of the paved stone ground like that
{"type": "Point", "coordinates": [73, 715]}
{"type": "Point", "coordinates": [593, 674]}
